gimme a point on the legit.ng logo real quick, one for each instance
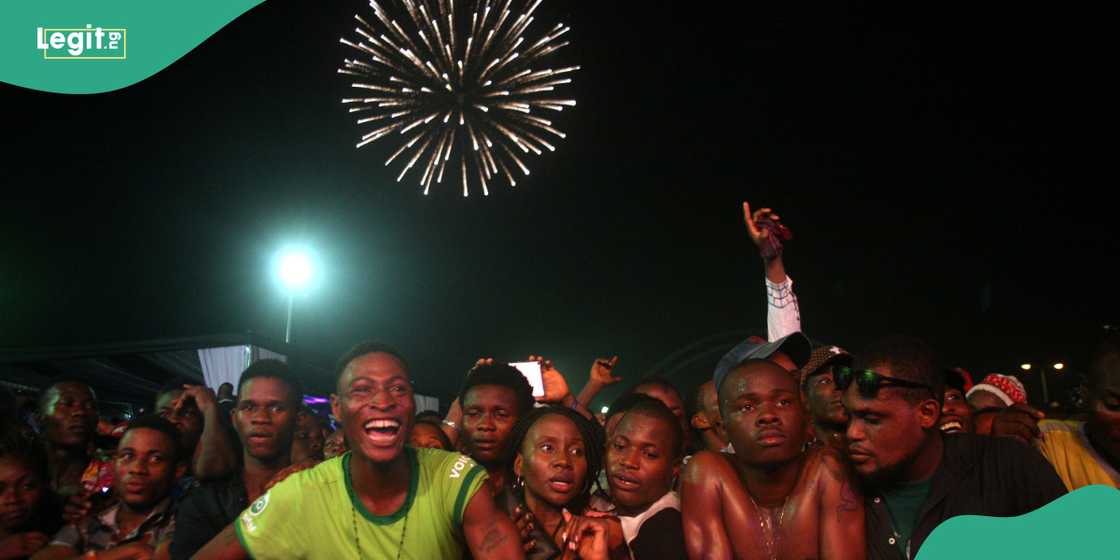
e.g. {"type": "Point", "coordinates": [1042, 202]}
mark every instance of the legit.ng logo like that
{"type": "Point", "coordinates": [88, 43]}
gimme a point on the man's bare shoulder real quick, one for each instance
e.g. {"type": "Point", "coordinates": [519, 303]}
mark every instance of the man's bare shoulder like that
{"type": "Point", "coordinates": [705, 465]}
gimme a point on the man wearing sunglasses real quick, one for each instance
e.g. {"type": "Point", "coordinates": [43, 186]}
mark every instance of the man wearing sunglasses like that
{"type": "Point", "coordinates": [915, 476]}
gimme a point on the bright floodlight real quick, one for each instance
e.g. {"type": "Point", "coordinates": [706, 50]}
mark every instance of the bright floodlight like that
{"type": "Point", "coordinates": [1059, 366]}
{"type": "Point", "coordinates": [295, 270]}
{"type": "Point", "coordinates": [605, 409]}
{"type": "Point", "coordinates": [1025, 367]}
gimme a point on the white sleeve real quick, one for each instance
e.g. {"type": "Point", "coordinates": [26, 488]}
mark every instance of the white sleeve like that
{"type": "Point", "coordinates": [783, 316]}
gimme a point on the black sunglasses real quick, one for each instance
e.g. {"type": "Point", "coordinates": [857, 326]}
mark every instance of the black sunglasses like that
{"type": "Point", "coordinates": [869, 382]}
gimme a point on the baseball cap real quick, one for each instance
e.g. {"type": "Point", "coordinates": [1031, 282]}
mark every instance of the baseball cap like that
{"type": "Point", "coordinates": [795, 345]}
{"type": "Point", "coordinates": [821, 357]}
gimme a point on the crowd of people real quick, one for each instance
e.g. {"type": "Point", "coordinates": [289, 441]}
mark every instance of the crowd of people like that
{"type": "Point", "coordinates": [788, 451]}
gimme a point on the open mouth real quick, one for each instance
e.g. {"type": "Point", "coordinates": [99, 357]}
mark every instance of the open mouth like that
{"type": "Point", "coordinates": [624, 483]}
{"type": "Point", "coordinates": [562, 484]}
{"type": "Point", "coordinates": [952, 427]}
{"type": "Point", "coordinates": [79, 429]}
{"type": "Point", "coordinates": [382, 430]}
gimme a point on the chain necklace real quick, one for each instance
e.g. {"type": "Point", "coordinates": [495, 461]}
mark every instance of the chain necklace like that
{"type": "Point", "coordinates": [766, 524]}
{"type": "Point", "coordinates": [358, 542]}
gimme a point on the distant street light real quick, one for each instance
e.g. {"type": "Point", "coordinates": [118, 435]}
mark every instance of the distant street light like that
{"type": "Point", "coordinates": [295, 271]}
{"type": "Point", "coordinates": [605, 409]}
{"type": "Point", "coordinates": [1025, 367]}
{"type": "Point", "coordinates": [1059, 366]}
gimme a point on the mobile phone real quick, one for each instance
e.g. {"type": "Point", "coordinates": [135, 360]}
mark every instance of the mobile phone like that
{"type": "Point", "coordinates": [532, 373]}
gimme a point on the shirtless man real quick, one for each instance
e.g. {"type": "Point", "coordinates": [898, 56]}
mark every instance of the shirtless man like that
{"type": "Point", "coordinates": [772, 499]}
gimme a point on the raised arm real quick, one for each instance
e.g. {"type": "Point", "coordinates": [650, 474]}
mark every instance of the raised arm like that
{"type": "Point", "coordinates": [490, 533]}
{"type": "Point", "coordinates": [783, 314]}
{"type": "Point", "coordinates": [215, 456]}
{"type": "Point", "coordinates": [599, 377]}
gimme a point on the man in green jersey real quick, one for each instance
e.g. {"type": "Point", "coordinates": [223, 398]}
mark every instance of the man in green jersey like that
{"type": "Point", "coordinates": [380, 500]}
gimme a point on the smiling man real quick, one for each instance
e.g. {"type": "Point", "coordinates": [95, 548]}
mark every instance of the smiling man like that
{"type": "Point", "coordinates": [772, 497]}
{"type": "Point", "coordinates": [915, 476]}
{"type": "Point", "coordinates": [264, 418]}
{"type": "Point", "coordinates": [381, 499]}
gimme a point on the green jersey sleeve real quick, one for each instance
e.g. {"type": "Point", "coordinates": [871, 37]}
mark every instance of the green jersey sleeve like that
{"type": "Point", "coordinates": [459, 478]}
{"type": "Point", "coordinates": [270, 527]}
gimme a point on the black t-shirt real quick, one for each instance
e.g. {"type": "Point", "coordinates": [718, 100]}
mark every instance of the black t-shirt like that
{"type": "Point", "coordinates": [205, 512]}
{"type": "Point", "coordinates": [660, 537]}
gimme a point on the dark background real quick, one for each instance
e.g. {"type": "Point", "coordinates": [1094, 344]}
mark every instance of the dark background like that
{"type": "Point", "coordinates": [923, 158]}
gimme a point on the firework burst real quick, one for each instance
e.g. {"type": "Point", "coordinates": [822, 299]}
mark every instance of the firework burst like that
{"type": "Point", "coordinates": [459, 86]}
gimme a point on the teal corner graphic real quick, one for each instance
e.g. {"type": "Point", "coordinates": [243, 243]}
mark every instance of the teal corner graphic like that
{"type": "Point", "coordinates": [1077, 525]}
{"type": "Point", "coordinates": [90, 46]}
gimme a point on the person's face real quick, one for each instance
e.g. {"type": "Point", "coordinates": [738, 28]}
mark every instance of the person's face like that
{"type": "Point", "coordinates": [984, 399]}
{"type": "Point", "coordinates": [265, 418]}
{"type": "Point", "coordinates": [70, 415]}
{"type": "Point", "coordinates": [21, 492]}
{"type": "Point", "coordinates": [374, 404]}
{"type": "Point", "coordinates": [826, 403]}
{"type": "Point", "coordinates": [489, 414]}
{"type": "Point", "coordinates": [763, 415]}
{"type": "Point", "coordinates": [641, 464]}
{"type": "Point", "coordinates": [308, 440]}
{"type": "Point", "coordinates": [225, 391]}
{"type": "Point", "coordinates": [885, 433]}
{"type": "Point", "coordinates": [145, 468]}
{"type": "Point", "coordinates": [426, 435]}
{"type": "Point", "coordinates": [956, 415]}
{"type": "Point", "coordinates": [1104, 419]}
{"type": "Point", "coordinates": [188, 419]}
{"type": "Point", "coordinates": [552, 460]}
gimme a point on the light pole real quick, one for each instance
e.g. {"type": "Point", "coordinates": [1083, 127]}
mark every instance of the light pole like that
{"type": "Point", "coordinates": [294, 270]}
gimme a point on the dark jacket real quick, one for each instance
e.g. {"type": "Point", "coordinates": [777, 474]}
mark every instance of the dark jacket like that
{"type": "Point", "coordinates": [205, 512]}
{"type": "Point", "coordinates": [978, 475]}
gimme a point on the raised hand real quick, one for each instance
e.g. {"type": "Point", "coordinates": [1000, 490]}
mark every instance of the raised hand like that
{"type": "Point", "coordinates": [555, 386]}
{"type": "Point", "coordinates": [601, 372]}
{"type": "Point", "coordinates": [758, 234]}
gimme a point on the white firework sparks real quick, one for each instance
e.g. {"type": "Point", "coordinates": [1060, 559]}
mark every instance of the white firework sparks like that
{"type": "Point", "coordinates": [452, 81]}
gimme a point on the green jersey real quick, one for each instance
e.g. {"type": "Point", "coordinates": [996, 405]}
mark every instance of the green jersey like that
{"type": "Point", "coordinates": [316, 514]}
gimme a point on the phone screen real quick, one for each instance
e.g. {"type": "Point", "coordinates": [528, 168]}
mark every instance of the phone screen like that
{"type": "Point", "coordinates": [532, 372]}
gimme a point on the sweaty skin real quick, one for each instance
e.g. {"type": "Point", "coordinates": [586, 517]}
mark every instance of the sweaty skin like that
{"type": "Point", "coordinates": [816, 510]}
{"type": "Point", "coordinates": [823, 517]}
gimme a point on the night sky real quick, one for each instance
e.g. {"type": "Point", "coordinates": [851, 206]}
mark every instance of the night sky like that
{"type": "Point", "coordinates": [923, 160]}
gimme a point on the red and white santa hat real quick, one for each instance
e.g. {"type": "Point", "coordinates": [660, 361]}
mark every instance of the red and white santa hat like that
{"type": "Point", "coordinates": [1009, 389]}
